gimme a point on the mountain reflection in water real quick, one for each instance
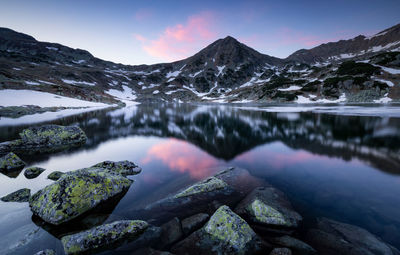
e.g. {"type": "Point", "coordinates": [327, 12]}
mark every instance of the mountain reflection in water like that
{"type": "Point", "coordinates": [344, 167]}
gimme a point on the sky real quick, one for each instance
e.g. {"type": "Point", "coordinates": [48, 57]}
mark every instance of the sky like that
{"type": "Point", "coordinates": [148, 32]}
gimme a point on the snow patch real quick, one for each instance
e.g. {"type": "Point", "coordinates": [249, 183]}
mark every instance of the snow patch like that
{"type": "Point", "coordinates": [291, 88]}
{"type": "Point", "coordinates": [73, 82]}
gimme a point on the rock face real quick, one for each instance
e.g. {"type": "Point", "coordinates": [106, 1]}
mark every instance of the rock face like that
{"type": "Point", "coordinates": [333, 237]}
{"type": "Point", "coordinates": [76, 193]}
{"type": "Point", "coordinates": [11, 162]}
{"type": "Point", "coordinates": [33, 172]}
{"type": "Point", "coordinates": [49, 138]}
{"type": "Point", "coordinates": [269, 207]}
{"type": "Point", "coordinates": [21, 195]}
{"type": "Point", "coordinates": [224, 233]}
{"type": "Point", "coordinates": [124, 168]}
{"type": "Point", "coordinates": [103, 236]}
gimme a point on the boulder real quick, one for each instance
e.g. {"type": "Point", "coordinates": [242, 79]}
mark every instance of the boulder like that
{"type": "Point", "coordinates": [269, 207]}
{"type": "Point", "coordinates": [33, 172]}
{"type": "Point", "coordinates": [171, 232]}
{"type": "Point", "coordinates": [227, 187]}
{"type": "Point", "coordinates": [11, 162]}
{"type": "Point", "coordinates": [333, 237]}
{"type": "Point", "coordinates": [104, 236]}
{"type": "Point", "coordinates": [194, 222]}
{"type": "Point", "coordinates": [21, 195]}
{"type": "Point", "coordinates": [281, 251]}
{"type": "Point", "coordinates": [46, 252]}
{"type": "Point", "coordinates": [224, 233]}
{"type": "Point", "coordinates": [75, 193]}
{"type": "Point", "coordinates": [299, 247]}
{"type": "Point", "coordinates": [124, 168]}
{"type": "Point", "coordinates": [55, 175]}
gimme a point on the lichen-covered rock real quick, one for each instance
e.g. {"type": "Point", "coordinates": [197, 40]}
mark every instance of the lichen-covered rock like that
{"type": "Point", "coordinates": [55, 175]}
{"type": "Point", "coordinates": [21, 195]}
{"type": "Point", "coordinates": [103, 236]}
{"type": "Point", "coordinates": [224, 233]}
{"type": "Point", "coordinates": [268, 206]}
{"type": "Point", "coordinates": [52, 135]}
{"type": "Point", "coordinates": [46, 252]}
{"type": "Point", "coordinates": [124, 168]}
{"type": "Point", "coordinates": [194, 222]}
{"type": "Point", "coordinates": [33, 172]}
{"type": "Point", "coordinates": [333, 237]}
{"type": "Point", "coordinates": [281, 251]}
{"type": "Point", "coordinates": [210, 184]}
{"type": "Point", "coordinates": [11, 162]}
{"type": "Point", "coordinates": [299, 247]}
{"type": "Point", "coordinates": [75, 193]}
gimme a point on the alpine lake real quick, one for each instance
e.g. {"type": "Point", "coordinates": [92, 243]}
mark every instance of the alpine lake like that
{"type": "Point", "coordinates": [341, 162]}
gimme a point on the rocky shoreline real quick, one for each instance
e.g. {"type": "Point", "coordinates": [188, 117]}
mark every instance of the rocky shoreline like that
{"type": "Point", "coordinates": [231, 212]}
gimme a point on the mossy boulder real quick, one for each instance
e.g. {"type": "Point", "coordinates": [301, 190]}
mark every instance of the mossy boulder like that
{"type": "Point", "coordinates": [75, 193]}
{"type": "Point", "coordinates": [104, 236]}
{"type": "Point", "coordinates": [52, 135]}
{"type": "Point", "coordinates": [55, 175]}
{"type": "Point", "coordinates": [33, 172]}
{"type": "Point", "coordinates": [224, 233]}
{"type": "Point", "coordinates": [124, 167]}
{"type": "Point", "coordinates": [207, 185]}
{"type": "Point", "coordinates": [11, 162]}
{"type": "Point", "coordinates": [269, 207]}
{"type": "Point", "coordinates": [21, 195]}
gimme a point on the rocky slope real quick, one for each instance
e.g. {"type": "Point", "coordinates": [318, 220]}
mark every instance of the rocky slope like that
{"type": "Point", "coordinates": [225, 71]}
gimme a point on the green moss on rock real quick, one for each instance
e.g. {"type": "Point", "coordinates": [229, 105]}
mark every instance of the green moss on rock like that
{"type": "Point", "coordinates": [76, 193]}
{"type": "Point", "coordinates": [11, 162]}
{"type": "Point", "coordinates": [103, 236]}
{"type": "Point", "coordinates": [124, 168]}
{"type": "Point", "coordinates": [55, 175]}
{"type": "Point", "coordinates": [266, 214]}
{"type": "Point", "coordinates": [33, 172]}
{"type": "Point", "coordinates": [210, 184]}
{"type": "Point", "coordinates": [21, 195]}
{"type": "Point", "coordinates": [53, 135]}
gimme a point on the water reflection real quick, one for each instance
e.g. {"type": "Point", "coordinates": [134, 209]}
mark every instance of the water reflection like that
{"type": "Point", "coordinates": [342, 167]}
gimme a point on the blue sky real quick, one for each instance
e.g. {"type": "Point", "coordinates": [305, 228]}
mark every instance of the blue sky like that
{"type": "Point", "coordinates": [146, 32]}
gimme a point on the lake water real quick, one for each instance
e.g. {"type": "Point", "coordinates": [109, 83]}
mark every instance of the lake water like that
{"type": "Point", "coordinates": [341, 162]}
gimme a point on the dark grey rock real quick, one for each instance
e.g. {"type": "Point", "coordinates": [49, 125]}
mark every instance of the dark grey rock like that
{"type": "Point", "coordinates": [21, 195]}
{"type": "Point", "coordinates": [194, 222]}
{"type": "Point", "coordinates": [299, 247]}
{"type": "Point", "coordinates": [171, 232]}
{"type": "Point", "coordinates": [33, 172]}
{"type": "Point", "coordinates": [11, 162]}
{"type": "Point", "coordinates": [281, 251]}
{"type": "Point", "coordinates": [124, 168]}
{"type": "Point", "coordinates": [333, 237]}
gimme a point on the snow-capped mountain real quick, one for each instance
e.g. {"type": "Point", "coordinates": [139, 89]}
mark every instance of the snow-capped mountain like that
{"type": "Point", "coordinates": [363, 69]}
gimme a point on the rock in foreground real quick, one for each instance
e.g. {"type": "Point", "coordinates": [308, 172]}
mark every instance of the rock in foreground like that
{"type": "Point", "coordinates": [11, 162]}
{"type": "Point", "coordinates": [269, 207]}
{"type": "Point", "coordinates": [103, 236]}
{"type": "Point", "coordinates": [224, 233]}
{"type": "Point", "coordinates": [21, 195]}
{"type": "Point", "coordinates": [55, 175]}
{"type": "Point", "coordinates": [333, 237]}
{"type": "Point", "coordinates": [33, 172]}
{"type": "Point", "coordinates": [76, 193]}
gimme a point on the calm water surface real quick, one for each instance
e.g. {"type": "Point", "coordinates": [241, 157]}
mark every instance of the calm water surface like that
{"type": "Point", "coordinates": [341, 162]}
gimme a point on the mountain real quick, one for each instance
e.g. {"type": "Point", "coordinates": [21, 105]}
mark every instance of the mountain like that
{"type": "Point", "coordinates": [363, 69]}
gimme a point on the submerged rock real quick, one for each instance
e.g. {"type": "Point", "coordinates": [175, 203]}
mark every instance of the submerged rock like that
{"type": "Point", "coordinates": [75, 193]}
{"type": "Point", "coordinates": [299, 247]}
{"type": "Point", "coordinates": [49, 138]}
{"type": "Point", "coordinates": [103, 236]}
{"type": "Point", "coordinates": [46, 252]}
{"type": "Point", "coordinates": [33, 172]}
{"type": "Point", "coordinates": [269, 207]}
{"type": "Point", "coordinates": [11, 162]}
{"type": "Point", "coordinates": [124, 168]}
{"type": "Point", "coordinates": [224, 233]}
{"type": "Point", "coordinates": [333, 237]}
{"type": "Point", "coordinates": [55, 175]}
{"type": "Point", "coordinates": [194, 222]}
{"type": "Point", "coordinates": [21, 195]}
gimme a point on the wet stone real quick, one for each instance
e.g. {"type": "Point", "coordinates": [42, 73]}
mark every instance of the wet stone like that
{"type": "Point", "coordinates": [55, 175]}
{"type": "Point", "coordinates": [171, 232]}
{"type": "Point", "coordinates": [11, 162]}
{"type": "Point", "coordinates": [281, 251]}
{"type": "Point", "coordinates": [299, 247]}
{"type": "Point", "coordinates": [194, 222]}
{"type": "Point", "coordinates": [33, 172]}
{"type": "Point", "coordinates": [124, 167]}
{"type": "Point", "coordinates": [21, 195]}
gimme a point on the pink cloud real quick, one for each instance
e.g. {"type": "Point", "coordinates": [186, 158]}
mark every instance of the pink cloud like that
{"type": "Point", "coordinates": [181, 40]}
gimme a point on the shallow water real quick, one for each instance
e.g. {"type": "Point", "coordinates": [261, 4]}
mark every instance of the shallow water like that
{"type": "Point", "coordinates": [341, 162]}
